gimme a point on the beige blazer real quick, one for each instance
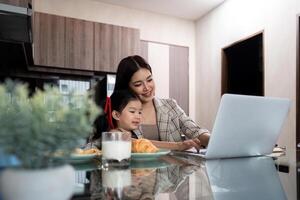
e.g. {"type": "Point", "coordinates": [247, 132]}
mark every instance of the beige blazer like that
{"type": "Point", "coordinates": [172, 122]}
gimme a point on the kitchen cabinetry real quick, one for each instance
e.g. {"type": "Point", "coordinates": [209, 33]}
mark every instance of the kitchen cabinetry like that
{"type": "Point", "coordinates": [112, 43]}
{"type": "Point", "coordinates": [69, 43]}
{"type": "Point", "coordinates": [79, 39]}
{"type": "Point", "coordinates": [21, 3]}
{"type": "Point", "coordinates": [179, 75]}
{"type": "Point", "coordinates": [62, 42]}
{"type": "Point", "coordinates": [144, 49]}
{"type": "Point", "coordinates": [49, 40]}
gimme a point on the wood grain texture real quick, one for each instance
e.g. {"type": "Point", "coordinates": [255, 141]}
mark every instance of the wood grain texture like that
{"type": "Point", "coordinates": [179, 76]}
{"type": "Point", "coordinates": [112, 43]}
{"type": "Point", "coordinates": [79, 43]}
{"type": "Point", "coordinates": [49, 39]}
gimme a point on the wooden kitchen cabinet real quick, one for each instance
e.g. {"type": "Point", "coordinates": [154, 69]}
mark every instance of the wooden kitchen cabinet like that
{"type": "Point", "coordinates": [49, 40]}
{"type": "Point", "coordinates": [62, 42]}
{"type": "Point", "coordinates": [69, 43]}
{"type": "Point", "coordinates": [21, 3]}
{"type": "Point", "coordinates": [112, 43]}
{"type": "Point", "coordinates": [179, 75]}
{"type": "Point", "coordinates": [79, 46]}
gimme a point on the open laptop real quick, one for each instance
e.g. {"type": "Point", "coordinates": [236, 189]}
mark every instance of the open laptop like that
{"type": "Point", "coordinates": [244, 178]}
{"type": "Point", "coordinates": [246, 126]}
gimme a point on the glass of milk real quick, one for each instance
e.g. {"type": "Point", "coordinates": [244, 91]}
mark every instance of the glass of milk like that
{"type": "Point", "coordinates": [116, 149]}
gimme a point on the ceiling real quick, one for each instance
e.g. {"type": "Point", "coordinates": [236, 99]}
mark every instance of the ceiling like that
{"type": "Point", "coordinates": [186, 9]}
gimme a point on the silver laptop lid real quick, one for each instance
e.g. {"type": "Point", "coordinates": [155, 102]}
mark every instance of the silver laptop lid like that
{"type": "Point", "coordinates": [246, 126]}
{"type": "Point", "coordinates": [244, 178]}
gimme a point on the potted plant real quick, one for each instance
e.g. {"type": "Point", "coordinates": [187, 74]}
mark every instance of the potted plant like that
{"type": "Point", "coordinates": [33, 129]}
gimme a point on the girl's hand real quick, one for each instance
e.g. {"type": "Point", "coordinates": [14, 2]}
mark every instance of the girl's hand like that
{"type": "Point", "coordinates": [187, 144]}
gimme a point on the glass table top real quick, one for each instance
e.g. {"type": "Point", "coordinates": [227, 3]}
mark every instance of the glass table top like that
{"type": "Point", "coordinates": [189, 177]}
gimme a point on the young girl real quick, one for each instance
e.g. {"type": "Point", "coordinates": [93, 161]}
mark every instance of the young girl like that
{"type": "Point", "coordinates": [126, 111]}
{"type": "Point", "coordinates": [123, 112]}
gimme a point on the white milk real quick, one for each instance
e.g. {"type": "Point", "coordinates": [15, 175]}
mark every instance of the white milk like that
{"type": "Point", "coordinates": [116, 178]}
{"type": "Point", "coordinates": [117, 150]}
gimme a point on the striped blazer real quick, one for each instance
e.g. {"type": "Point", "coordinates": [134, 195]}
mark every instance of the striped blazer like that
{"type": "Point", "coordinates": [172, 122]}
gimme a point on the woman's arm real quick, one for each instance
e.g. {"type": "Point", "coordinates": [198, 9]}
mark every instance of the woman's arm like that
{"type": "Point", "coordinates": [188, 127]}
{"type": "Point", "coordinates": [180, 146]}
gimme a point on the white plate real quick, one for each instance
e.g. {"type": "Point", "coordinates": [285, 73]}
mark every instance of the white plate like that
{"type": "Point", "coordinates": [83, 156]}
{"type": "Point", "coordinates": [149, 156]}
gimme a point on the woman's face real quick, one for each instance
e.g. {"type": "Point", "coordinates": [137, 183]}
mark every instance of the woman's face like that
{"type": "Point", "coordinates": [142, 84]}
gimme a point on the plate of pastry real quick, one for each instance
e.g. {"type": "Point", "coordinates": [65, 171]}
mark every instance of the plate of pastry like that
{"type": "Point", "coordinates": [143, 149]}
{"type": "Point", "coordinates": [79, 155]}
{"type": "Point", "coordinates": [148, 156]}
{"type": "Point", "coordinates": [85, 154]}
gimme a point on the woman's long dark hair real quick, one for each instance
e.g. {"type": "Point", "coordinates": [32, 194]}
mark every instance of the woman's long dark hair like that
{"type": "Point", "coordinates": [119, 100]}
{"type": "Point", "coordinates": [126, 68]}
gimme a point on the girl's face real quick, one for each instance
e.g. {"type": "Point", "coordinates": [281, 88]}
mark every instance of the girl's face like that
{"type": "Point", "coordinates": [130, 117]}
{"type": "Point", "coordinates": [142, 84]}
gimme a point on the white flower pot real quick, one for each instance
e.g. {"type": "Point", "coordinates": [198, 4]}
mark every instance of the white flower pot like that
{"type": "Point", "coordinates": [47, 184]}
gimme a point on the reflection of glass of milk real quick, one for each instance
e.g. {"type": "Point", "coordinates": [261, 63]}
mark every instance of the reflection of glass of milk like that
{"type": "Point", "coordinates": [116, 147]}
{"type": "Point", "coordinates": [116, 178]}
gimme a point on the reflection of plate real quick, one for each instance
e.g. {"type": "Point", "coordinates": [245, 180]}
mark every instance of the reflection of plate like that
{"type": "Point", "coordinates": [86, 166]}
{"type": "Point", "coordinates": [80, 158]}
{"type": "Point", "coordinates": [147, 164]}
{"type": "Point", "coordinates": [149, 156]}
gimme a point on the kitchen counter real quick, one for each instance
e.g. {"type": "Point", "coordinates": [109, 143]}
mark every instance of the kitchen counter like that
{"type": "Point", "coordinates": [188, 177]}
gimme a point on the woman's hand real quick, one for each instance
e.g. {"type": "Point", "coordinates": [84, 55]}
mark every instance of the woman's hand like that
{"type": "Point", "coordinates": [187, 144]}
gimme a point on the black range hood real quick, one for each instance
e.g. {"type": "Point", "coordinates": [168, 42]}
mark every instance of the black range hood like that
{"type": "Point", "coordinates": [15, 36]}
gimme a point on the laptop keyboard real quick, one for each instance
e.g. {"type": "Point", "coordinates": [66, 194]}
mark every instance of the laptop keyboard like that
{"type": "Point", "coordinates": [202, 151]}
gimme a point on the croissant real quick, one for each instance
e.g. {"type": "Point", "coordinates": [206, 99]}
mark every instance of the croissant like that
{"type": "Point", "coordinates": [88, 151]}
{"type": "Point", "coordinates": [143, 146]}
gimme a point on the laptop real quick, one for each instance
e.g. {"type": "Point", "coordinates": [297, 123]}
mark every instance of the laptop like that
{"type": "Point", "coordinates": [244, 178]}
{"type": "Point", "coordinates": [246, 126]}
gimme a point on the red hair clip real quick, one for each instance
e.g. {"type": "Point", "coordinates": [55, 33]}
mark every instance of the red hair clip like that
{"type": "Point", "coordinates": [107, 111]}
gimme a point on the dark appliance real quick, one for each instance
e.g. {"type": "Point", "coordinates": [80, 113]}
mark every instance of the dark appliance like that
{"type": "Point", "coordinates": [15, 34]}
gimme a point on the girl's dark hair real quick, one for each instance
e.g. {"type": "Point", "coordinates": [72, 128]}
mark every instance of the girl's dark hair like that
{"type": "Point", "coordinates": [126, 68]}
{"type": "Point", "coordinates": [119, 100]}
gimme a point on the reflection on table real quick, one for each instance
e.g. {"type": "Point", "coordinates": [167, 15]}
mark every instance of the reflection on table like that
{"type": "Point", "coordinates": [142, 180]}
{"type": "Point", "coordinates": [244, 178]}
{"type": "Point", "coordinates": [184, 177]}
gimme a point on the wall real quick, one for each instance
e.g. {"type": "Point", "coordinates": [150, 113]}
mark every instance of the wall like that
{"type": "Point", "coordinates": [235, 20]}
{"type": "Point", "coordinates": [158, 57]}
{"type": "Point", "coordinates": [153, 27]}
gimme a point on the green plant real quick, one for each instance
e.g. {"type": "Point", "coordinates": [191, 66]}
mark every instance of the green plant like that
{"type": "Point", "coordinates": [34, 128]}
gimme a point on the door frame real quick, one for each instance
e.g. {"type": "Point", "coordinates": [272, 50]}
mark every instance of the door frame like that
{"type": "Point", "coordinates": [297, 84]}
{"type": "Point", "coordinates": [224, 64]}
{"type": "Point", "coordinates": [297, 96]}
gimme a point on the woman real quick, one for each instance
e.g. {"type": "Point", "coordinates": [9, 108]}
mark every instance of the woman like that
{"type": "Point", "coordinates": [163, 121]}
